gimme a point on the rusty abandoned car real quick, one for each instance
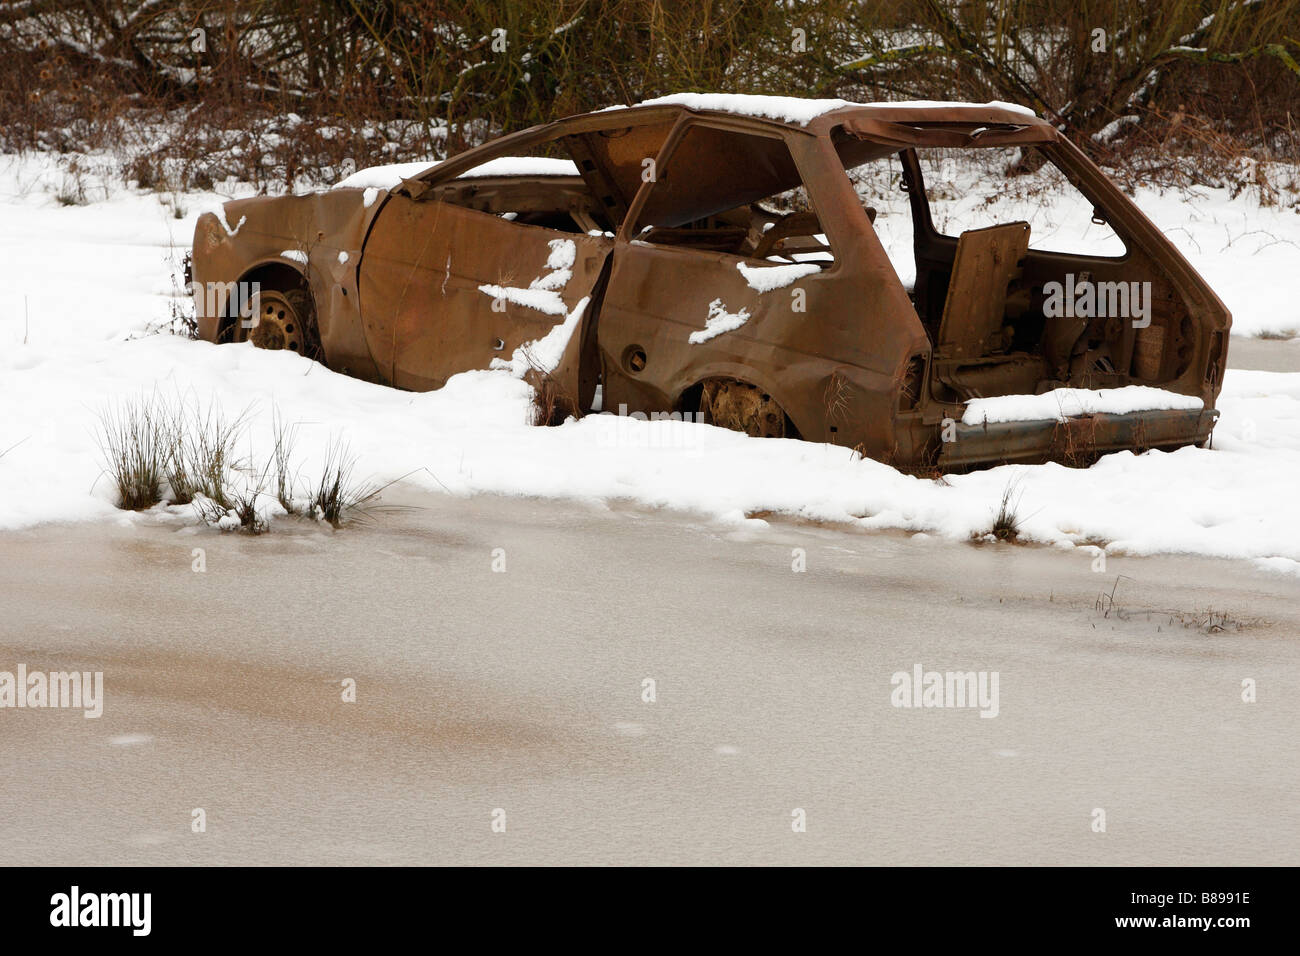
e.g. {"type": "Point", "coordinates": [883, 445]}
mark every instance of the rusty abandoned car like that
{"type": "Point", "coordinates": [653, 263]}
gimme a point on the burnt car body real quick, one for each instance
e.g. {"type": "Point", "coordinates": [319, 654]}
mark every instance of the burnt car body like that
{"type": "Point", "coordinates": [645, 266]}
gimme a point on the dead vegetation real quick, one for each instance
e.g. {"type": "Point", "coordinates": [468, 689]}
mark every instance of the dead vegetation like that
{"type": "Point", "coordinates": [1180, 92]}
{"type": "Point", "coordinates": [135, 442]}
{"type": "Point", "coordinates": [1006, 524]}
{"type": "Point", "coordinates": [201, 451]}
{"type": "Point", "coordinates": [836, 398]}
{"type": "Point", "coordinates": [1206, 621]}
{"type": "Point", "coordinates": [551, 404]}
{"type": "Point", "coordinates": [175, 450]}
{"type": "Point", "coordinates": [285, 438]}
{"type": "Point", "coordinates": [336, 496]}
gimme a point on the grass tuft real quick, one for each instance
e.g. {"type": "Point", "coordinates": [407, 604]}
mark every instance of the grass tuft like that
{"type": "Point", "coordinates": [1006, 526]}
{"type": "Point", "coordinates": [285, 437]}
{"type": "Point", "coordinates": [552, 404]}
{"type": "Point", "coordinates": [202, 452]}
{"type": "Point", "coordinates": [135, 441]}
{"type": "Point", "coordinates": [336, 495]}
{"type": "Point", "coordinates": [184, 452]}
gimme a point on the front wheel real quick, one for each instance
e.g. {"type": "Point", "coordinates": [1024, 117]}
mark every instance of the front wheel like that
{"type": "Point", "coordinates": [284, 320]}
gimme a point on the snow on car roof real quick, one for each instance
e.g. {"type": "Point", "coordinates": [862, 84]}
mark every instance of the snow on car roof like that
{"type": "Point", "coordinates": [387, 177]}
{"type": "Point", "coordinates": [794, 109]}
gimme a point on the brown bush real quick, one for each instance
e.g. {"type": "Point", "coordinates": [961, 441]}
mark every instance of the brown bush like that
{"type": "Point", "coordinates": [269, 91]}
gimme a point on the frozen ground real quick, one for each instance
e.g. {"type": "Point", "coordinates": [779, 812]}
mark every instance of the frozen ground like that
{"type": "Point", "coordinates": [82, 283]}
{"type": "Point", "coordinates": [525, 690]}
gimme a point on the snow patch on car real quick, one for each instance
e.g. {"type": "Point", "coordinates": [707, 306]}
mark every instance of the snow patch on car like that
{"type": "Point", "coordinates": [523, 166]}
{"type": "Point", "coordinates": [719, 320]}
{"type": "Point", "coordinates": [383, 177]}
{"type": "Point", "coordinates": [768, 278]}
{"type": "Point", "coordinates": [220, 213]}
{"type": "Point", "coordinates": [543, 354]}
{"type": "Point", "coordinates": [543, 300]}
{"type": "Point", "coordinates": [542, 293]}
{"type": "Point", "coordinates": [295, 255]}
{"type": "Point", "coordinates": [564, 253]}
{"type": "Point", "coordinates": [391, 175]}
{"type": "Point", "coordinates": [1062, 403]}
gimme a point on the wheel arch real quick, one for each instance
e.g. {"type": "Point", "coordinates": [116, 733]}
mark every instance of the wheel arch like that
{"type": "Point", "coordinates": [688, 395]}
{"type": "Point", "coordinates": [275, 272]}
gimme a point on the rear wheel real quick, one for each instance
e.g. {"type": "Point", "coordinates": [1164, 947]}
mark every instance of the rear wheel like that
{"type": "Point", "coordinates": [742, 407]}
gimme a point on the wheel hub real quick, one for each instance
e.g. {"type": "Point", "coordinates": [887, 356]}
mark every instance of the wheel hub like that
{"type": "Point", "coordinates": [278, 324]}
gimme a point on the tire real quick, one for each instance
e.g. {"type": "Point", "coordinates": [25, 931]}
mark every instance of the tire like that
{"type": "Point", "coordinates": [286, 319]}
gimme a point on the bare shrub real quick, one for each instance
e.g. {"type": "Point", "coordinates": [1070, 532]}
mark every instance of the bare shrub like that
{"type": "Point", "coordinates": [284, 89]}
{"type": "Point", "coordinates": [136, 437]}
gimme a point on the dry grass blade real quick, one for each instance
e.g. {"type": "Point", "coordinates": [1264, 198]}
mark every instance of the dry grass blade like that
{"type": "Point", "coordinates": [552, 403]}
{"type": "Point", "coordinates": [285, 438]}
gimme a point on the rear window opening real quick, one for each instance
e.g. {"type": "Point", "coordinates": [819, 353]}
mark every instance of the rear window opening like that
{"type": "Point", "coordinates": [970, 189]}
{"type": "Point", "coordinates": [973, 189]}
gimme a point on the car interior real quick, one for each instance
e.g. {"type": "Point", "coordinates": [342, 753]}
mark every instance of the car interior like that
{"type": "Point", "coordinates": [980, 294]}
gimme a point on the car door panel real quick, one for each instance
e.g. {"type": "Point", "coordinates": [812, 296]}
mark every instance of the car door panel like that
{"type": "Point", "coordinates": [445, 289]}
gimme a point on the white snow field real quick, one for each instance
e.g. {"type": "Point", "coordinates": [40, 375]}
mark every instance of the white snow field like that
{"type": "Point", "coordinates": [82, 284]}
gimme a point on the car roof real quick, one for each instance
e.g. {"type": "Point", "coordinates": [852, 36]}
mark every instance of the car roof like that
{"type": "Point", "coordinates": [610, 145]}
{"type": "Point", "coordinates": [815, 114]}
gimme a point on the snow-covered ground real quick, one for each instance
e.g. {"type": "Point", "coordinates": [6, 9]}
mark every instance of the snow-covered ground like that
{"type": "Point", "coordinates": [83, 283]}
